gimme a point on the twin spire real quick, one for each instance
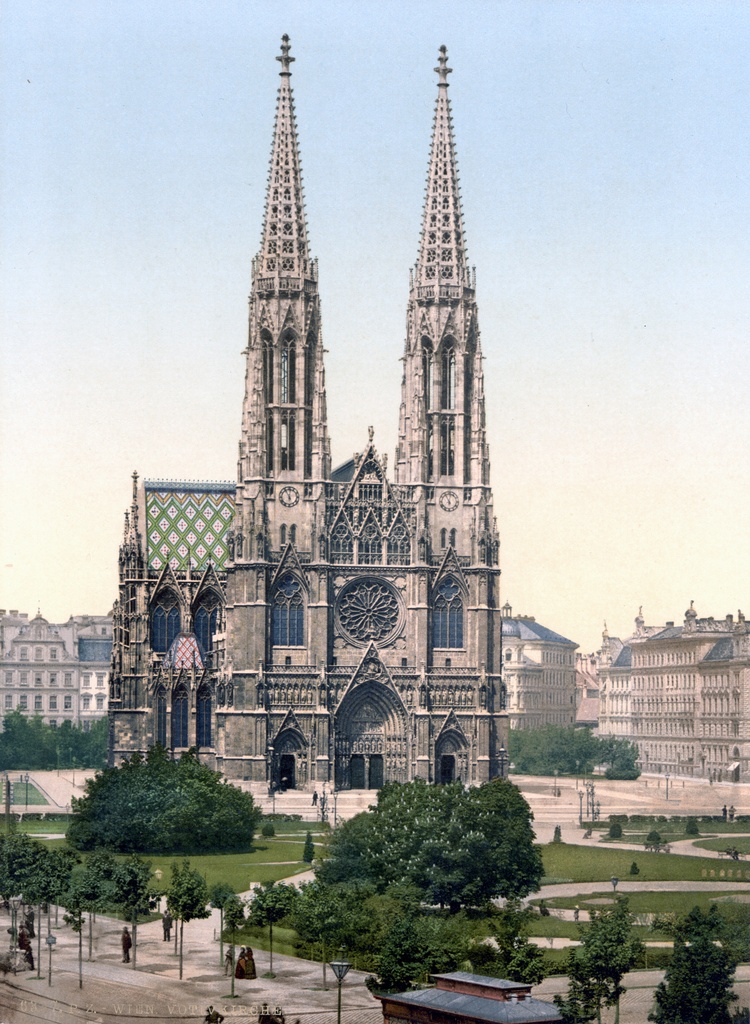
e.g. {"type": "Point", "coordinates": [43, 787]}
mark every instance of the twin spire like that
{"type": "Point", "coordinates": [284, 248]}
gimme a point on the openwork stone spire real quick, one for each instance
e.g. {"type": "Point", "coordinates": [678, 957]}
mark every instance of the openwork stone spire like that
{"type": "Point", "coordinates": [442, 251]}
{"type": "Point", "coordinates": [284, 250]}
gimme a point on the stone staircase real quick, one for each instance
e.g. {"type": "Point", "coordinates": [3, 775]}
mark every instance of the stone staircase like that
{"type": "Point", "coordinates": [296, 801]}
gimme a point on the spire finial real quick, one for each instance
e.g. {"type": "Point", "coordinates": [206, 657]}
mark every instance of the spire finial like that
{"type": "Point", "coordinates": [135, 484]}
{"type": "Point", "coordinates": [443, 70]}
{"type": "Point", "coordinates": [285, 60]}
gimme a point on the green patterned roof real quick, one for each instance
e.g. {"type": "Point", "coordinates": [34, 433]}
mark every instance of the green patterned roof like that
{"type": "Point", "coordinates": [188, 520]}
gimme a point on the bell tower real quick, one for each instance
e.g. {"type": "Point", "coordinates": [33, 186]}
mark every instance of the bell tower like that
{"type": "Point", "coordinates": [442, 453]}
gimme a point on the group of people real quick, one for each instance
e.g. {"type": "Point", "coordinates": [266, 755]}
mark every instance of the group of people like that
{"type": "Point", "coordinates": [245, 966]}
{"type": "Point", "coordinates": [22, 936]}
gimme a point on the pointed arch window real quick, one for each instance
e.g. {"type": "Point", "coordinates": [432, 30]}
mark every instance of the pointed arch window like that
{"type": "Point", "coordinates": [452, 538]}
{"type": "Point", "coordinates": [430, 449]}
{"type": "Point", "coordinates": [293, 534]}
{"type": "Point", "coordinates": [287, 438]}
{"type": "Point", "coordinates": [370, 545]}
{"type": "Point", "coordinates": [165, 625]}
{"type": "Point", "coordinates": [160, 713]}
{"type": "Point", "coordinates": [342, 544]}
{"type": "Point", "coordinates": [267, 367]}
{"type": "Point", "coordinates": [282, 536]}
{"type": "Point", "coordinates": [448, 616]}
{"type": "Point", "coordinates": [269, 443]}
{"type": "Point", "coordinates": [288, 612]}
{"type": "Point", "coordinates": [203, 717]}
{"type": "Point", "coordinates": [442, 537]}
{"type": "Point", "coordinates": [180, 717]}
{"type": "Point", "coordinates": [288, 370]}
{"type": "Point", "coordinates": [399, 546]}
{"type": "Point", "coordinates": [448, 393]}
{"type": "Point", "coordinates": [427, 373]}
{"type": "Point", "coordinates": [206, 622]}
{"type": "Point", "coordinates": [447, 446]}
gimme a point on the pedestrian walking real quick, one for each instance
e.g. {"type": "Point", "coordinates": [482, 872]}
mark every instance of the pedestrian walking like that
{"type": "Point", "coordinates": [30, 917]}
{"type": "Point", "coordinates": [213, 1016]}
{"type": "Point", "coordinates": [24, 944]}
{"type": "Point", "coordinates": [166, 924]}
{"type": "Point", "coordinates": [315, 798]}
{"type": "Point", "coordinates": [229, 960]}
{"type": "Point", "coordinates": [576, 914]}
{"type": "Point", "coordinates": [250, 973]}
{"type": "Point", "coordinates": [239, 971]}
{"type": "Point", "coordinates": [126, 943]}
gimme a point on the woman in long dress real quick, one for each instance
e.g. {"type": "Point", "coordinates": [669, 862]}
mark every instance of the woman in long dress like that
{"type": "Point", "coordinates": [250, 965]}
{"type": "Point", "coordinates": [239, 971]}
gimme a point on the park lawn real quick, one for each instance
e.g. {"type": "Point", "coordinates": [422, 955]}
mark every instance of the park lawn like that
{"type": "Point", "coordinates": [294, 828]}
{"type": "Point", "coordinates": [27, 795]}
{"type": "Point", "coordinates": [645, 902]}
{"type": "Point", "coordinates": [36, 827]}
{"type": "Point", "coordinates": [240, 870]}
{"type": "Point", "coordinates": [741, 843]}
{"type": "Point", "coordinates": [590, 864]}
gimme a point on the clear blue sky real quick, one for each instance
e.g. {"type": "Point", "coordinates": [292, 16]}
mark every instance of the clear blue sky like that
{"type": "Point", "coordinates": [604, 150]}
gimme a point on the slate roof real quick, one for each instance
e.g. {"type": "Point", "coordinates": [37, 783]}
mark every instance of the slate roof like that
{"type": "Point", "coordinates": [588, 711]}
{"type": "Point", "coordinates": [722, 650]}
{"type": "Point", "coordinates": [95, 650]}
{"type": "Point", "coordinates": [476, 1008]}
{"type": "Point", "coordinates": [528, 629]}
{"type": "Point", "coordinates": [625, 658]}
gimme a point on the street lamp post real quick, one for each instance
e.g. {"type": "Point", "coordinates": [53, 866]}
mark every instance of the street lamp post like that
{"type": "Point", "coordinates": [26, 780]}
{"type": "Point", "coordinates": [580, 808]}
{"type": "Point", "coordinates": [15, 903]}
{"type": "Point", "coordinates": [503, 758]}
{"type": "Point", "coordinates": [340, 968]}
{"type": "Point", "coordinates": [614, 880]}
{"type": "Point", "coordinates": [667, 781]}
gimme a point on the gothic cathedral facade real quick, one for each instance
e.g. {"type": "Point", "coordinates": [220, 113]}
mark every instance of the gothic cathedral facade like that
{"type": "Point", "coordinates": [309, 624]}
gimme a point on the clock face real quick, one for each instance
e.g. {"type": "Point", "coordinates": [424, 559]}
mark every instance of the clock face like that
{"type": "Point", "coordinates": [449, 501]}
{"type": "Point", "coordinates": [288, 496]}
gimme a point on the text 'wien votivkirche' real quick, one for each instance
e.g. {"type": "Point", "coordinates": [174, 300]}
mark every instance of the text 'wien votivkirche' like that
{"type": "Point", "coordinates": [312, 625]}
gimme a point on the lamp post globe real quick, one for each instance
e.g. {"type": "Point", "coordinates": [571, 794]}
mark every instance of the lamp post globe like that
{"type": "Point", "coordinates": [340, 968]}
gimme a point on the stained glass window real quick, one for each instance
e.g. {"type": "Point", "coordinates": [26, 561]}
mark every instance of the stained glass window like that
{"type": "Point", "coordinates": [448, 616]}
{"type": "Point", "coordinates": [288, 626]}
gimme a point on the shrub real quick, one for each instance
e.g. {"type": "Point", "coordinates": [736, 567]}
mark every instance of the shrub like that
{"type": "Point", "coordinates": [691, 827]}
{"type": "Point", "coordinates": [615, 830]}
{"type": "Point", "coordinates": [634, 869]}
{"type": "Point", "coordinates": [557, 837]}
{"type": "Point", "coordinates": [267, 830]}
{"type": "Point", "coordinates": [309, 851]}
{"type": "Point", "coordinates": [653, 837]}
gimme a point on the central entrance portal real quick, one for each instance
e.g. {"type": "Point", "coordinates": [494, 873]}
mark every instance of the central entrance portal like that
{"type": "Point", "coordinates": [370, 746]}
{"type": "Point", "coordinates": [366, 771]}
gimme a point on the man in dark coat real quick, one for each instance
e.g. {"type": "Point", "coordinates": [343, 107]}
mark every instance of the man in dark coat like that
{"type": "Point", "coordinates": [127, 942]}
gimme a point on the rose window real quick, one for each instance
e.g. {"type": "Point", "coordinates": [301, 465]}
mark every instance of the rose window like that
{"type": "Point", "coordinates": [369, 610]}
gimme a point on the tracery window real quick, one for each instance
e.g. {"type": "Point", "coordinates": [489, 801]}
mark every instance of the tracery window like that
{"type": "Point", "coordinates": [288, 626]}
{"type": "Point", "coordinates": [206, 621]}
{"type": "Point", "coordinates": [447, 446]}
{"type": "Point", "coordinates": [288, 370]}
{"type": "Point", "coordinates": [269, 442]}
{"type": "Point", "coordinates": [399, 546]}
{"type": "Point", "coordinates": [180, 717]}
{"type": "Point", "coordinates": [203, 717]}
{"type": "Point", "coordinates": [287, 439]}
{"type": "Point", "coordinates": [448, 395]}
{"type": "Point", "coordinates": [430, 450]}
{"type": "Point", "coordinates": [370, 545]}
{"type": "Point", "coordinates": [342, 544]}
{"type": "Point", "coordinates": [165, 625]}
{"type": "Point", "coordinates": [282, 535]}
{"type": "Point", "coordinates": [448, 616]}
{"type": "Point", "coordinates": [267, 367]}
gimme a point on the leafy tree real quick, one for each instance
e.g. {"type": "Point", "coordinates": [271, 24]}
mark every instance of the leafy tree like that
{"type": "Point", "coordinates": [220, 894]}
{"type": "Point", "coordinates": [74, 900]}
{"type": "Point", "coordinates": [416, 947]}
{"type": "Point", "coordinates": [697, 986]}
{"type": "Point", "coordinates": [98, 886]}
{"type": "Point", "coordinates": [569, 750]}
{"type": "Point", "coordinates": [517, 958]}
{"type": "Point", "coordinates": [27, 743]}
{"type": "Point", "coordinates": [158, 805]}
{"type": "Point", "coordinates": [453, 846]}
{"type": "Point", "coordinates": [187, 896]}
{"type": "Point", "coordinates": [308, 854]}
{"type": "Point", "coordinates": [654, 837]}
{"type": "Point", "coordinates": [131, 891]}
{"type": "Point", "coordinates": [270, 903]}
{"type": "Point", "coordinates": [596, 968]}
{"type": "Point", "coordinates": [20, 864]}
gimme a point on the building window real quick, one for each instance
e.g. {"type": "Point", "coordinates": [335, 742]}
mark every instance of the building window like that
{"type": "Point", "coordinates": [68, 678]}
{"type": "Point", "coordinates": [53, 654]}
{"type": "Point", "coordinates": [448, 616]}
{"type": "Point", "coordinates": [165, 625]}
{"type": "Point", "coordinates": [38, 654]}
{"type": "Point", "coordinates": [180, 718]}
{"type": "Point", "coordinates": [288, 627]}
{"type": "Point", "coordinates": [342, 545]}
{"type": "Point", "coordinates": [87, 679]}
{"type": "Point", "coordinates": [53, 723]}
{"type": "Point", "coordinates": [53, 703]}
{"type": "Point", "coordinates": [8, 701]}
{"type": "Point", "coordinates": [68, 703]}
{"type": "Point", "coordinates": [24, 654]}
{"type": "Point", "coordinates": [8, 678]}
{"type": "Point", "coordinates": [399, 547]}
{"type": "Point", "coordinates": [206, 620]}
{"type": "Point", "coordinates": [100, 703]}
{"type": "Point", "coordinates": [53, 679]}
{"type": "Point", "coordinates": [370, 545]}
{"type": "Point", "coordinates": [24, 679]}
{"type": "Point", "coordinates": [37, 679]}
{"type": "Point", "coordinates": [203, 718]}
{"type": "Point", "coordinates": [23, 702]}
{"type": "Point", "coordinates": [99, 679]}
{"type": "Point", "coordinates": [86, 702]}
{"type": "Point", "coordinates": [449, 379]}
{"type": "Point", "coordinates": [38, 702]}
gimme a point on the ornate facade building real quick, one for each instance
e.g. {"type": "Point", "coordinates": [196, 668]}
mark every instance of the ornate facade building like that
{"type": "Point", "coordinates": [682, 694]}
{"type": "Point", "coordinates": [539, 673]}
{"type": "Point", "coordinates": [310, 624]}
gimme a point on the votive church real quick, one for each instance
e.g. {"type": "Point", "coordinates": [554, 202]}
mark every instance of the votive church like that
{"type": "Point", "coordinates": [306, 624]}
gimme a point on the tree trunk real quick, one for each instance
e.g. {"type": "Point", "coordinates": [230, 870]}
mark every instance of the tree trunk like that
{"type": "Point", "coordinates": [80, 951]}
{"type": "Point", "coordinates": [90, 935]}
{"type": "Point", "coordinates": [135, 938]}
{"type": "Point", "coordinates": [325, 981]}
{"type": "Point", "coordinates": [181, 922]}
{"type": "Point", "coordinates": [39, 940]}
{"type": "Point", "coordinates": [231, 969]}
{"type": "Point", "coordinates": [270, 942]}
{"type": "Point", "coordinates": [221, 936]}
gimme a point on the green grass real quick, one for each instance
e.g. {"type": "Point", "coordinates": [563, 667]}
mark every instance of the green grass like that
{"type": "Point", "coordinates": [34, 797]}
{"type": "Point", "coordinates": [741, 843]}
{"type": "Point", "coordinates": [590, 864]}
{"type": "Point", "coordinates": [36, 827]}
